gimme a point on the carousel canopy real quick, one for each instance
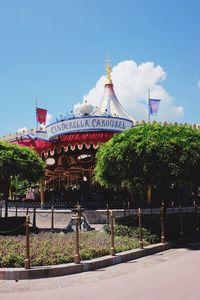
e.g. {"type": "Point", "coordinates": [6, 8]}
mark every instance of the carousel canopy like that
{"type": "Point", "coordinates": [109, 116]}
{"type": "Point", "coordinates": [66, 142]}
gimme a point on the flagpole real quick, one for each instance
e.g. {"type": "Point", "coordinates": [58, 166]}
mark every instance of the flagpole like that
{"type": "Point", "coordinates": [149, 120]}
{"type": "Point", "coordinates": [36, 113]}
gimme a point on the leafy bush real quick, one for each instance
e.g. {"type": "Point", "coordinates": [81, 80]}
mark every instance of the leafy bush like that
{"type": "Point", "coordinates": [133, 232]}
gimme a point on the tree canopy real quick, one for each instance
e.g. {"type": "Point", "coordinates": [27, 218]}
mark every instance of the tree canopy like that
{"type": "Point", "coordinates": [150, 154]}
{"type": "Point", "coordinates": [19, 161]}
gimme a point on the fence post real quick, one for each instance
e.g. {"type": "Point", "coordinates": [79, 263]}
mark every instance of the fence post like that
{"type": "Point", "coordinates": [79, 214]}
{"type": "Point", "coordinates": [27, 210]}
{"type": "Point", "coordinates": [124, 209]}
{"type": "Point", "coordinates": [112, 233]}
{"type": "Point", "coordinates": [34, 217]}
{"type": "Point", "coordinates": [77, 254]}
{"type": "Point", "coordinates": [173, 207]}
{"type": "Point", "coordinates": [181, 221]}
{"type": "Point", "coordinates": [140, 229]}
{"type": "Point", "coordinates": [162, 224]}
{"type": "Point", "coordinates": [196, 216]}
{"type": "Point", "coordinates": [27, 259]}
{"type": "Point", "coordinates": [163, 203]}
{"type": "Point", "coordinates": [52, 218]}
{"type": "Point", "coordinates": [129, 209]}
{"type": "Point", "coordinates": [16, 210]}
{"type": "Point", "coordinates": [6, 208]}
{"type": "Point", "coordinates": [107, 214]}
{"type": "Point", "coordinates": [1, 211]}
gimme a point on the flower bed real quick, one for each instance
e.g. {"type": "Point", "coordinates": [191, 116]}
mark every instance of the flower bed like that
{"type": "Point", "coordinates": [58, 248]}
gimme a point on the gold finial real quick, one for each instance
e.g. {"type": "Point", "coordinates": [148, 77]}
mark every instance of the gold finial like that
{"type": "Point", "coordinates": [108, 71]}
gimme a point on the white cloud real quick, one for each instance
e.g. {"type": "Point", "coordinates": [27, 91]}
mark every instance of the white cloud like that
{"type": "Point", "coordinates": [49, 118]}
{"type": "Point", "coordinates": [198, 84]}
{"type": "Point", "coordinates": [131, 84]}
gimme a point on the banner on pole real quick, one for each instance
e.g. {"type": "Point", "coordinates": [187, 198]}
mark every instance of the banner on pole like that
{"type": "Point", "coordinates": [41, 115]}
{"type": "Point", "coordinates": [153, 106]}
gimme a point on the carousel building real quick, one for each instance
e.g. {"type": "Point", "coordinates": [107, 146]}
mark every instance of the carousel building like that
{"type": "Point", "coordinates": [68, 146]}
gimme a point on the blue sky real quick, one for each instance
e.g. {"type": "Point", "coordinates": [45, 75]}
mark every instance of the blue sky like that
{"type": "Point", "coordinates": [55, 50]}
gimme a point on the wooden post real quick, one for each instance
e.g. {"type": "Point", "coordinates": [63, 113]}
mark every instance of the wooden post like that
{"type": "Point", "coordinates": [6, 208]}
{"type": "Point", "coordinates": [52, 218]}
{"type": "Point", "coordinates": [140, 229]}
{"type": "Point", "coordinates": [129, 209]}
{"type": "Point", "coordinates": [149, 194]}
{"type": "Point", "coordinates": [112, 233]}
{"type": "Point", "coordinates": [77, 254]}
{"type": "Point", "coordinates": [27, 259]}
{"type": "Point", "coordinates": [34, 217]}
{"type": "Point", "coordinates": [162, 224]}
{"type": "Point", "coordinates": [107, 213]}
{"type": "Point", "coordinates": [124, 209]}
{"type": "Point", "coordinates": [27, 211]}
{"type": "Point", "coordinates": [79, 214]}
{"type": "Point", "coordinates": [42, 192]}
{"type": "Point", "coordinates": [15, 210]}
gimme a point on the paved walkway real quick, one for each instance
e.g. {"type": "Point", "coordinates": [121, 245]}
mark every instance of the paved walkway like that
{"type": "Point", "coordinates": [173, 274]}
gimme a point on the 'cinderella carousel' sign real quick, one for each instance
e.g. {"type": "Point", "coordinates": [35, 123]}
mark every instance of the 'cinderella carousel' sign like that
{"type": "Point", "coordinates": [81, 124]}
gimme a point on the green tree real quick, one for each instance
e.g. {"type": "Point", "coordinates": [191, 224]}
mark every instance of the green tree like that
{"type": "Point", "coordinates": [150, 155]}
{"type": "Point", "coordinates": [19, 187]}
{"type": "Point", "coordinates": [18, 161]}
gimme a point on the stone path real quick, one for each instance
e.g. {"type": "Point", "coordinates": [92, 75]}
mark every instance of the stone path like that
{"type": "Point", "coordinates": [173, 274]}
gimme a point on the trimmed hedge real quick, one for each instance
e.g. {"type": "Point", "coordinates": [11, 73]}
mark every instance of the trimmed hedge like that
{"type": "Point", "coordinates": [172, 224]}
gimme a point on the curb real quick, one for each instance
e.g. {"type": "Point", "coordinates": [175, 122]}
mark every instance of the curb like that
{"type": "Point", "coordinates": [72, 268]}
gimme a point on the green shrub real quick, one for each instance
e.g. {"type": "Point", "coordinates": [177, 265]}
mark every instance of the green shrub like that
{"type": "Point", "coordinates": [130, 231]}
{"type": "Point", "coordinates": [13, 259]}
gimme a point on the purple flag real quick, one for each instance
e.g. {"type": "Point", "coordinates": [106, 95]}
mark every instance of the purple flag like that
{"type": "Point", "coordinates": [153, 106]}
